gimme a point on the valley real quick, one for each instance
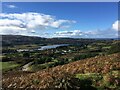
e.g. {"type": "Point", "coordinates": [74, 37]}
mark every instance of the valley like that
{"type": "Point", "coordinates": [44, 65]}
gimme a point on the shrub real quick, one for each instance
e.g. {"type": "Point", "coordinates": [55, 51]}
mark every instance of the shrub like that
{"type": "Point", "coordinates": [114, 48]}
{"type": "Point", "coordinates": [26, 54]}
{"type": "Point", "coordinates": [35, 81]}
{"type": "Point", "coordinates": [68, 81]}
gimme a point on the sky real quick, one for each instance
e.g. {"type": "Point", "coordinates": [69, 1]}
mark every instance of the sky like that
{"type": "Point", "coordinates": [60, 19]}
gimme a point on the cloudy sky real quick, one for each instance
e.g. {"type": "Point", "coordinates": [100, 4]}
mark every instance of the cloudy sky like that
{"type": "Point", "coordinates": [75, 20]}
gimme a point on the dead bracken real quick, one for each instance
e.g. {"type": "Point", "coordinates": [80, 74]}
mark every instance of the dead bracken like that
{"type": "Point", "coordinates": [48, 77]}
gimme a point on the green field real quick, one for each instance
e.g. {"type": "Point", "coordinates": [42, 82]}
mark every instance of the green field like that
{"type": "Point", "coordinates": [7, 65]}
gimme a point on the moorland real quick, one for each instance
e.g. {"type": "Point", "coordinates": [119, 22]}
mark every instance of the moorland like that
{"type": "Point", "coordinates": [79, 63]}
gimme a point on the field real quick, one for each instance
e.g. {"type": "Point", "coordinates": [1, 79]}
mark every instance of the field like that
{"type": "Point", "coordinates": [7, 65]}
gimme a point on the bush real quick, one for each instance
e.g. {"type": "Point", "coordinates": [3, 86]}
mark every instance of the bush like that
{"type": "Point", "coordinates": [35, 81]}
{"type": "Point", "coordinates": [83, 56]}
{"type": "Point", "coordinates": [48, 59]}
{"type": "Point", "coordinates": [26, 54]}
{"type": "Point", "coordinates": [68, 82]}
{"type": "Point", "coordinates": [115, 48]}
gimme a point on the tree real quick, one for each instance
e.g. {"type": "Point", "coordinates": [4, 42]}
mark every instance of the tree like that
{"type": "Point", "coordinates": [115, 48]}
{"type": "Point", "coordinates": [26, 54]}
{"type": "Point", "coordinates": [48, 59]}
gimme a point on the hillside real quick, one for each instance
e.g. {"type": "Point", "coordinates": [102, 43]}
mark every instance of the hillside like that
{"type": "Point", "coordinates": [11, 40]}
{"type": "Point", "coordinates": [51, 78]}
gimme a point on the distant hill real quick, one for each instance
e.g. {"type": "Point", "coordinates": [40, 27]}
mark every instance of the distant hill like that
{"type": "Point", "coordinates": [10, 40]}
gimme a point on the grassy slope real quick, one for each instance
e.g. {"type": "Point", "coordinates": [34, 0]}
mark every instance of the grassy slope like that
{"type": "Point", "coordinates": [45, 78]}
{"type": "Point", "coordinates": [7, 65]}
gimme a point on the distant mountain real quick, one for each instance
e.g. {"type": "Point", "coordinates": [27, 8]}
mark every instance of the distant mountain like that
{"type": "Point", "coordinates": [10, 40]}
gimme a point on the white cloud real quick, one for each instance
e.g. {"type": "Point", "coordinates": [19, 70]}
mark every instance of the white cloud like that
{"type": "Point", "coordinates": [58, 23]}
{"type": "Point", "coordinates": [29, 23]}
{"type": "Point", "coordinates": [73, 33]}
{"type": "Point", "coordinates": [116, 25]}
{"type": "Point", "coordinates": [11, 6]}
{"type": "Point", "coordinates": [35, 23]}
{"type": "Point", "coordinates": [108, 33]}
{"type": "Point", "coordinates": [11, 30]}
{"type": "Point", "coordinates": [8, 22]}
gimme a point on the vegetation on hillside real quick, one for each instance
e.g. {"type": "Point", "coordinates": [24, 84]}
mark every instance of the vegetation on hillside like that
{"type": "Point", "coordinates": [101, 72]}
{"type": "Point", "coordinates": [115, 48]}
{"type": "Point", "coordinates": [84, 64]}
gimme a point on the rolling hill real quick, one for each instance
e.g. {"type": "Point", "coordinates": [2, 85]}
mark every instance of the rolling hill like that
{"type": "Point", "coordinates": [11, 40]}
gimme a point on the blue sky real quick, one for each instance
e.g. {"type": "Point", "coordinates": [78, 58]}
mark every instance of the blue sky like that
{"type": "Point", "coordinates": [90, 20]}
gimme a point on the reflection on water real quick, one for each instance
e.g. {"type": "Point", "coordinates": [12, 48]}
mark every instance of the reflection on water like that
{"type": "Point", "coordinates": [43, 47]}
{"type": "Point", "coordinates": [51, 46]}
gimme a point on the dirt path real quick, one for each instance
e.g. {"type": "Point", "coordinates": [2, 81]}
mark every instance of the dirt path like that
{"type": "Point", "coordinates": [26, 66]}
